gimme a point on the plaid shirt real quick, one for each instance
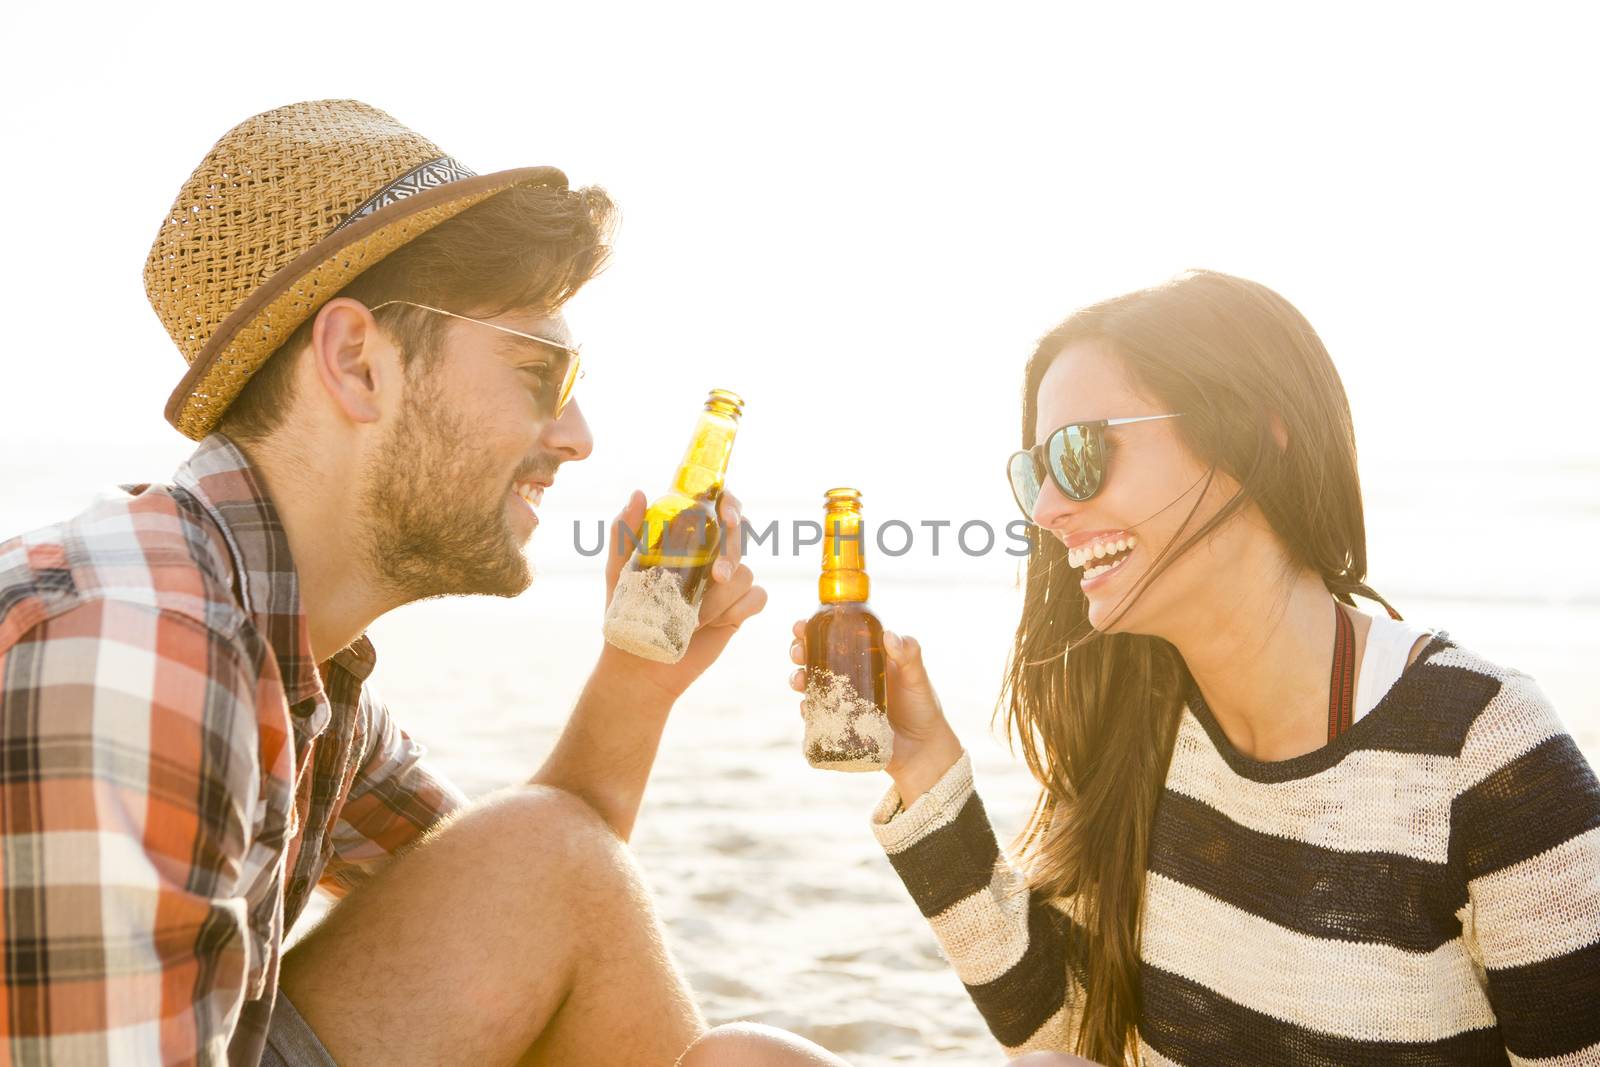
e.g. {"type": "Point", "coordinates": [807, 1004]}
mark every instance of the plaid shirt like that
{"type": "Point", "coordinates": [176, 773]}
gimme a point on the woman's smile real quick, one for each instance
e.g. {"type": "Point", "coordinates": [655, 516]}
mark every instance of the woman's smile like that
{"type": "Point", "coordinates": [1099, 555]}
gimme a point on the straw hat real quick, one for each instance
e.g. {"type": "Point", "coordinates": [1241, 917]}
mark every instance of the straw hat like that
{"type": "Point", "coordinates": [281, 214]}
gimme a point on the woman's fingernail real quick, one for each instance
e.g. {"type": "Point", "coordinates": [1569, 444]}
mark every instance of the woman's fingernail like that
{"type": "Point", "coordinates": [891, 641]}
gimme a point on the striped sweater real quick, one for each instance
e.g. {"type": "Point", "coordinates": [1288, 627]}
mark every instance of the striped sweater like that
{"type": "Point", "coordinates": [1423, 890]}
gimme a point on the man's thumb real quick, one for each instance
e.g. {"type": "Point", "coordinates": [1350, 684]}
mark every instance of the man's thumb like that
{"type": "Point", "coordinates": [629, 517]}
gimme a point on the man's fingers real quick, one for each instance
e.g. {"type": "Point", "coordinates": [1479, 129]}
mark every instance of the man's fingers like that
{"type": "Point", "coordinates": [619, 549]}
{"type": "Point", "coordinates": [749, 603]}
{"type": "Point", "coordinates": [731, 512]}
{"type": "Point", "coordinates": [723, 593]}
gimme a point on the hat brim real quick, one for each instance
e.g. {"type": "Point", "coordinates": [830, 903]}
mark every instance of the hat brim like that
{"type": "Point", "coordinates": [266, 318]}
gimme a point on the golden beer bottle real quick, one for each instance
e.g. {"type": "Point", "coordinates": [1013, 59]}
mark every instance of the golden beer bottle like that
{"type": "Point", "coordinates": [847, 726]}
{"type": "Point", "coordinates": [656, 606]}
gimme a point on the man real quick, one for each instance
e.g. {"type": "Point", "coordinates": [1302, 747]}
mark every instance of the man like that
{"type": "Point", "coordinates": [380, 381]}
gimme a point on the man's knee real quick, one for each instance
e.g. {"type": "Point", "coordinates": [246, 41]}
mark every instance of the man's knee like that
{"type": "Point", "coordinates": [755, 1045]}
{"type": "Point", "coordinates": [541, 817]}
{"type": "Point", "coordinates": [539, 834]}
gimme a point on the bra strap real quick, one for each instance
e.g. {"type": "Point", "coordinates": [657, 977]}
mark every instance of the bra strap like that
{"type": "Point", "coordinates": [1342, 681]}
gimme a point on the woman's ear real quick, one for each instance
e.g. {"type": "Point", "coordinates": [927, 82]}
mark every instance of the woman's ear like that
{"type": "Point", "coordinates": [1280, 433]}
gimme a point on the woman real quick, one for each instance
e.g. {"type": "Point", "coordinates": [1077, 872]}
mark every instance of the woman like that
{"type": "Point", "coordinates": [1238, 855]}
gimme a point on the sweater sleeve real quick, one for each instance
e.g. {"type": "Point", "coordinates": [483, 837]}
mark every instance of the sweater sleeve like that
{"type": "Point", "coordinates": [1011, 947]}
{"type": "Point", "coordinates": [1525, 830]}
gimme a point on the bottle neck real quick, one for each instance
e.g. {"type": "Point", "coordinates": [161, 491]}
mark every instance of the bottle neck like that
{"type": "Point", "coordinates": [705, 465]}
{"type": "Point", "coordinates": [844, 562]}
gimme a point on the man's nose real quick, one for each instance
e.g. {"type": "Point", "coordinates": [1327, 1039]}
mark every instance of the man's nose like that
{"type": "Point", "coordinates": [568, 434]}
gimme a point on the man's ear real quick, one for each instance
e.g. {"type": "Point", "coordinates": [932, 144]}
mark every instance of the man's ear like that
{"type": "Point", "coordinates": [347, 356]}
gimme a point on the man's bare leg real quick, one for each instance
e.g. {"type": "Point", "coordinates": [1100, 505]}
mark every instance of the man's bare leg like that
{"type": "Point", "coordinates": [753, 1045]}
{"type": "Point", "coordinates": [520, 930]}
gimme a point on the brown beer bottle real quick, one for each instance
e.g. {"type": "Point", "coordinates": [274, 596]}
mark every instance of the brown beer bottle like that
{"type": "Point", "coordinates": [847, 726]}
{"type": "Point", "coordinates": [656, 606]}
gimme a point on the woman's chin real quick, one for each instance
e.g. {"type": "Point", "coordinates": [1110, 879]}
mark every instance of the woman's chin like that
{"type": "Point", "coordinates": [1108, 614]}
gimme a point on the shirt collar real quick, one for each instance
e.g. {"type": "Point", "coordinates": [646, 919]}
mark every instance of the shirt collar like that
{"type": "Point", "coordinates": [225, 483]}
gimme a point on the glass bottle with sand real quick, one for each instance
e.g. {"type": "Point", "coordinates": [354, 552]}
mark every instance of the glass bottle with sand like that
{"type": "Point", "coordinates": [847, 727]}
{"type": "Point", "coordinates": [656, 605]}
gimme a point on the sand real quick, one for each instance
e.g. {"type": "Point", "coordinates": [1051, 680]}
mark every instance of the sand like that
{"type": "Point", "coordinates": [649, 615]}
{"type": "Point", "coordinates": [845, 731]}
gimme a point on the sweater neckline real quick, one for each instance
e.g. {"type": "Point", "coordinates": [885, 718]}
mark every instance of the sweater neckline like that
{"type": "Point", "coordinates": [1410, 685]}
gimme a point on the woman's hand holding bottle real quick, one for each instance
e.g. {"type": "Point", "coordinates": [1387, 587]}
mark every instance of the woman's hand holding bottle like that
{"type": "Point", "coordinates": [925, 746]}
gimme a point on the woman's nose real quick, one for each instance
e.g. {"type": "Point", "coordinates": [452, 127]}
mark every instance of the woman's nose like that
{"type": "Point", "coordinates": [1052, 509]}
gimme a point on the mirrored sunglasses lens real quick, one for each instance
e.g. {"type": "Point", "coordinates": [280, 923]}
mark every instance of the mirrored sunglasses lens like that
{"type": "Point", "coordinates": [1024, 482]}
{"type": "Point", "coordinates": [1078, 461]}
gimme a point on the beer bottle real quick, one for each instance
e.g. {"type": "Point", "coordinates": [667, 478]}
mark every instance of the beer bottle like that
{"type": "Point", "coordinates": [847, 727]}
{"type": "Point", "coordinates": [656, 606]}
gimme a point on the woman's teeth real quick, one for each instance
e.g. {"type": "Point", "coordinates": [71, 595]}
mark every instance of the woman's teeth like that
{"type": "Point", "coordinates": [1099, 569]}
{"type": "Point", "coordinates": [1106, 548]}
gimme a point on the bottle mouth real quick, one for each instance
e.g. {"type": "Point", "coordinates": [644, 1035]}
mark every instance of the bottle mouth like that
{"type": "Point", "coordinates": [842, 496]}
{"type": "Point", "coordinates": [725, 401]}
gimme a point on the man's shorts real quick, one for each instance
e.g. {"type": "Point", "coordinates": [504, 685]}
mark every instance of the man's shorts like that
{"type": "Point", "coordinates": [290, 1040]}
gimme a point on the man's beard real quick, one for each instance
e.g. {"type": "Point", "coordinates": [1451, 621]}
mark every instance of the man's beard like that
{"type": "Point", "coordinates": [424, 537]}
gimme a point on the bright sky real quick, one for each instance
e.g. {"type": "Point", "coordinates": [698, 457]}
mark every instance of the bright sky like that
{"type": "Point", "coordinates": [860, 216]}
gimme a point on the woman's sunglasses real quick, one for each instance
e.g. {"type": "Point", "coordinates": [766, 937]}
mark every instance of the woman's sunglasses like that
{"type": "Point", "coordinates": [1075, 456]}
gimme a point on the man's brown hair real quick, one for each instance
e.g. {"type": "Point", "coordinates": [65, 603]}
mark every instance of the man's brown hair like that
{"type": "Point", "coordinates": [529, 247]}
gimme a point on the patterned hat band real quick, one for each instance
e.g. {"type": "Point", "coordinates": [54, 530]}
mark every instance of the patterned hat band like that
{"type": "Point", "coordinates": [429, 175]}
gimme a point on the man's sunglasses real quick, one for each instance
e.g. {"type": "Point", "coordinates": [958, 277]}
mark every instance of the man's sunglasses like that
{"type": "Point", "coordinates": [570, 375]}
{"type": "Point", "coordinates": [1075, 457]}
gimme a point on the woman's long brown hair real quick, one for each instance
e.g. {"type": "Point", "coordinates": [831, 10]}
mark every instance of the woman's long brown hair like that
{"type": "Point", "coordinates": [1096, 726]}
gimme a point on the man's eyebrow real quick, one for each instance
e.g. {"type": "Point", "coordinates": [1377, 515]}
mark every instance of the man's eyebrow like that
{"type": "Point", "coordinates": [511, 344]}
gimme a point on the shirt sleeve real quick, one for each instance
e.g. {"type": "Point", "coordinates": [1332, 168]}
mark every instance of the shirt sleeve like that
{"type": "Point", "coordinates": [1015, 951]}
{"type": "Point", "coordinates": [127, 794]}
{"type": "Point", "coordinates": [395, 798]}
{"type": "Point", "coordinates": [1525, 829]}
